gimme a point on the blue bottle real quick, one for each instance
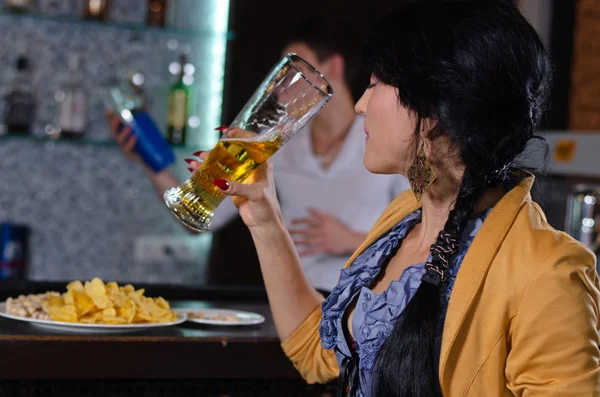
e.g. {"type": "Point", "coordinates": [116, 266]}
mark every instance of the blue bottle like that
{"type": "Point", "coordinates": [152, 147]}
{"type": "Point", "coordinates": [14, 251]}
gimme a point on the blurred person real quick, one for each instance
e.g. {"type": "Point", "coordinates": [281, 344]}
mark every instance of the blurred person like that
{"type": "Point", "coordinates": [329, 200]}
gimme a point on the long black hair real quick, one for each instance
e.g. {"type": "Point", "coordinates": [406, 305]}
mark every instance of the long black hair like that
{"type": "Point", "coordinates": [481, 71]}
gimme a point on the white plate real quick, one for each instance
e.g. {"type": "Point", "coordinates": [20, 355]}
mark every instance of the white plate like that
{"type": "Point", "coordinates": [245, 318]}
{"type": "Point", "coordinates": [89, 328]}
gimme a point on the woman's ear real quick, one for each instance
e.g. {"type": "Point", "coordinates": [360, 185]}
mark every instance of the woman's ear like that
{"type": "Point", "coordinates": [428, 125]}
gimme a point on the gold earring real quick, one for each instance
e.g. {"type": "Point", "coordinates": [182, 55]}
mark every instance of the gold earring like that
{"type": "Point", "coordinates": [420, 174]}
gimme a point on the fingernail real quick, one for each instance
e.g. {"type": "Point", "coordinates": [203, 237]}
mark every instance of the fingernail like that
{"type": "Point", "coordinates": [189, 161]}
{"type": "Point", "coordinates": [221, 183]}
{"type": "Point", "coordinates": [191, 170]}
{"type": "Point", "coordinates": [198, 153]}
{"type": "Point", "coordinates": [222, 128]}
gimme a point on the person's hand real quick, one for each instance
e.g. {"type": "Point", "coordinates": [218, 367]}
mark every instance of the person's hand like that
{"type": "Point", "coordinates": [255, 198]}
{"type": "Point", "coordinates": [323, 233]}
{"type": "Point", "coordinates": [122, 134]}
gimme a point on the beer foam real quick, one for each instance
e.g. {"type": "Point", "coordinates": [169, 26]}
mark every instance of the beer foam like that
{"type": "Point", "coordinates": [258, 138]}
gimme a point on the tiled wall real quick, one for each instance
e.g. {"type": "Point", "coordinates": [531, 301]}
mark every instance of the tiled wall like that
{"type": "Point", "coordinates": [86, 204]}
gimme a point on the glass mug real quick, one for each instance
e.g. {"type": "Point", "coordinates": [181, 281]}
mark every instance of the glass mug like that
{"type": "Point", "coordinates": [291, 95]}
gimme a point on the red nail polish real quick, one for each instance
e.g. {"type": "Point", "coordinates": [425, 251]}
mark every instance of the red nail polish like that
{"type": "Point", "coordinates": [191, 170]}
{"type": "Point", "coordinates": [189, 161]}
{"type": "Point", "coordinates": [222, 128]}
{"type": "Point", "coordinates": [221, 183]}
{"type": "Point", "coordinates": [198, 153]}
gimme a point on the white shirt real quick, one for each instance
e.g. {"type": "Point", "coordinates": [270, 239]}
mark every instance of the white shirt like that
{"type": "Point", "coordinates": [346, 190]}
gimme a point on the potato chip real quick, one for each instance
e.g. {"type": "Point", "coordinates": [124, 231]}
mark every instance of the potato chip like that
{"type": "Point", "coordinates": [54, 301]}
{"type": "Point", "coordinates": [136, 295]}
{"type": "Point", "coordinates": [94, 302]}
{"type": "Point", "coordinates": [110, 312]}
{"type": "Point", "coordinates": [112, 288]}
{"type": "Point", "coordinates": [83, 303]}
{"type": "Point", "coordinates": [75, 285]}
{"type": "Point", "coordinates": [65, 313]}
{"type": "Point", "coordinates": [128, 313]}
{"type": "Point", "coordinates": [91, 318]}
{"type": "Point", "coordinates": [162, 303]}
{"type": "Point", "coordinates": [97, 291]}
{"type": "Point", "coordinates": [69, 298]}
{"type": "Point", "coordinates": [153, 309]}
{"type": "Point", "coordinates": [168, 317]}
{"type": "Point", "coordinates": [113, 320]}
{"type": "Point", "coordinates": [142, 317]}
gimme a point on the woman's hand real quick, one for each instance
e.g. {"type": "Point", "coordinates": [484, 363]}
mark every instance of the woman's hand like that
{"type": "Point", "coordinates": [255, 199]}
{"type": "Point", "coordinates": [292, 298]}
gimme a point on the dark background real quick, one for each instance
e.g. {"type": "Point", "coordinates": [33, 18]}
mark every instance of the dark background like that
{"type": "Point", "coordinates": [262, 29]}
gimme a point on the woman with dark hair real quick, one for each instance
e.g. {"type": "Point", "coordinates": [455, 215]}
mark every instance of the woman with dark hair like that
{"type": "Point", "coordinates": [461, 288]}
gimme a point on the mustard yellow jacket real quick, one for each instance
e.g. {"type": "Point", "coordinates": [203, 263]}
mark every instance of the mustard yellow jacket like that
{"type": "Point", "coordinates": [522, 318]}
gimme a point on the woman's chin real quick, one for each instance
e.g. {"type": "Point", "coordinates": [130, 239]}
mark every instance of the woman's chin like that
{"type": "Point", "coordinates": [368, 164]}
{"type": "Point", "coordinates": [376, 167]}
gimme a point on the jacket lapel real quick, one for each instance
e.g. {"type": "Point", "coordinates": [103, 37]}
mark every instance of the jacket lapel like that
{"type": "Point", "coordinates": [476, 263]}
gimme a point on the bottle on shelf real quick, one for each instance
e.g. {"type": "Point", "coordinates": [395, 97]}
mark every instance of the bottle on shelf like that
{"type": "Point", "coordinates": [20, 102]}
{"type": "Point", "coordinates": [179, 94]}
{"type": "Point", "coordinates": [97, 9]}
{"type": "Point", "coordinates": [19, 6]}
{"type": "Point", "coordinates": [136, 81]}
{"type": "Point", "coordinates": [156, 15]}
{"type": "Point", "coordinates": [72, 100]}
{"type": "Point", "coordinates": [126, 102]}
{"type": "Point", "coordinates": [55, 7]}
{"type": "Point", "coordinates": [14, 251]}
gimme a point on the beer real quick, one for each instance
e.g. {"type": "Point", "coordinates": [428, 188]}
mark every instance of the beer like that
{"type": "Point", "coordinates": [195, 200]}
{"type": "Point", "coordinates": [288, 98]}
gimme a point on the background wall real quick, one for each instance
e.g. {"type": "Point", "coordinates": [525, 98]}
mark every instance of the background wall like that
{"type": "Point", "coordinates": [92, 212]}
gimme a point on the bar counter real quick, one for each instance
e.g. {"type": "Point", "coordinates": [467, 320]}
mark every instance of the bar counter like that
{"type": "Point", "coordinates": [225, 357]}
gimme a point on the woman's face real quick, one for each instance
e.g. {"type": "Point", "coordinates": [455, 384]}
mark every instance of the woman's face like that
{"type": "Point", "coordinates": [389, 128]}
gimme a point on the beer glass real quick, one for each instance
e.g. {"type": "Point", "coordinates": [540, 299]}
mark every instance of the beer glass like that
{"type": "Point", "coordinates": [292, 94]}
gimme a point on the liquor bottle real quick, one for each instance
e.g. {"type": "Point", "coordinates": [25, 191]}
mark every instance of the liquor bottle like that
{"type": "Point", "coordinates": [19, 6]}
{"type": "Point", "coordinates": [177, 116]}
{"type": "Point", "coordinates": [125, 102]}
{"type": "Point", "coordinates": [97, 9]}
{"type": "Point", "coordinates": [157, 10]}
{"type": "Point", "coordinates": [55, 7]}
{"type": "Point", "coordinates": [14, 251]}
{"type": "Point", "coordinates": [72, 99]}
{"type": "Point", "coordinates": [20, 104]}
{"type": "Point", "coordinates": [136, 81]}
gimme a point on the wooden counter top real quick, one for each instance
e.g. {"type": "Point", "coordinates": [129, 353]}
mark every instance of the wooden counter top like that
{"type": "Point", "coordinates": [189, 350]}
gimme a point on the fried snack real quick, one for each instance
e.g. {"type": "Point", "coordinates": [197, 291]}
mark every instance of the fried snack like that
{"type": "Point", "coordinates": [232, 318]}
{"type": "Point", "coordinates": [97, 303]}
{"type": "Point", "coordinates": [32, 305]}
